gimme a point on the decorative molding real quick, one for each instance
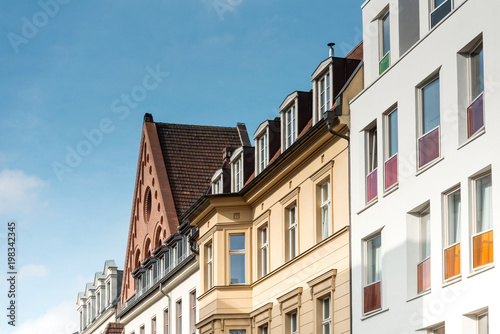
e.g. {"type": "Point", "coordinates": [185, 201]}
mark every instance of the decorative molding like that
{"type": "Point", "coordinates": [287, 198]}
{"type": "Point", "coordinates": [322, 171]}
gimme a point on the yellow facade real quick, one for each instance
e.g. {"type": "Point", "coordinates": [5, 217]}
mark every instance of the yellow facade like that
{"type": "Point", "coordinates": [293, 286]}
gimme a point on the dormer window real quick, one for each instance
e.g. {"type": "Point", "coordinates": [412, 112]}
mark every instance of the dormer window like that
{"type": "Point", "coordinates": [291, 125]}
{"type": "Point", "coordinates": [325, 99]}
{"type": "Point", "coordinates": [267, 143]}
{"type": "Point", "coordinates": [217, 182]}
{"type": "Point", "coordinates": [262, 158]}
{"type": "Point", "coordinates": [237, 170]}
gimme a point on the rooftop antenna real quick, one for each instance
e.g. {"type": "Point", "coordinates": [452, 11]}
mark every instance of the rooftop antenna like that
{"type": "Point", "coordinates": [331, 52]}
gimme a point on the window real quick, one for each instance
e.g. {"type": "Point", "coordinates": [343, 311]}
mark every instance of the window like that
{"type": "Point", "coordinates": [209, 257]}
{"type": "Point", "coordinates": [291, 128]}
{"type": "Point", "coordinates": [237, 173]}
{"type": "Point", "coordinates": [264, 247]}
{"type": "Point", "coordinates": [324, 97]}
{"type": "Point", "coordinates": [262, 152]}
{"type": "Point", "coordinates": [264, 329]}
{"type": "Point", "coordinates": [153, 325]}
{"type": "Point", "coordinates": [371, 164]}
{"type": "Point", "coordinates": [192, 311]}
{"type": "Point", "coordinates": [165, 321]}
{"type": "Point", "coordinates": [452, 235]}
{"type": "Point", "coordinates": [439, 9]}
{"type": "Point", "coordinates": [482, 324]}
{"type": "Point", "coordinates": [475, 110]}
{"type": "Point", "coordinates": [141, 330]}
{"type": "Point", "coordinates": [237, 258]}
{"type": "Point", "coordinates": [98, 302]}
{"type": "Point", "coordinates": [428, 142]}
{"type": "Point", "coordinates": [292, 247]}
{"type": "Point", "coordinates": [108, 292]}
{"type": "Point", "coordinates": [326, 228]}
{"type": "Point", "coordinates": [438, 330]}
{"type": "Point", "coordinates": [293, 323]}
{"type": "Point", "coordinates": [385, 44]}
{"type": "Point", "coordinates": [391, 150]}
{"type": "Point", "coordinates": [89, 308]}
{"type": "Point", "coordinates": [327, 317]}
{"type": "Point", "coordinates": [179, 316]}
{"type": "Point", "coordinates": [217, 185]}
{"type": "Point", "coordinates": [483, 224]}
{"type": "Point", "coordinates": [424, 265]}
{"type": "Point", "coordinates": [373, 276]}
{"type": "Point", "coordinates": [237, 332]}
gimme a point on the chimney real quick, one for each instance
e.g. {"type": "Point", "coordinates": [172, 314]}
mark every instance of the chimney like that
{"type": "Point", "coordinates": [331, 51]}
{"type": "Point", "coordinates": [226, 156]}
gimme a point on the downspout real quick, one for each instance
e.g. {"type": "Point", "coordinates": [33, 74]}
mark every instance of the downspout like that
{"type": "Point", "coordinates": [330, 116]}
{"type": "Point", "coordinates": [169, 309]}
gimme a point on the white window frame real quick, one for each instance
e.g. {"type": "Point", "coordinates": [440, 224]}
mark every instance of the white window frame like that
{"type": "Point", "coordinates": [192, 312]}
{"type": "Point", "coordinates": [382, 55]}
{"type": "Point", "coordinates": [447, 244]}
{"type": "Point", "coordinates": [326, 319]}
{"type": "Point", "coordinates": [478, 318]}
{"type": "Point", "coordinates": [237, 170]}
{"type": "Point", "coordinates": [367, 263]}
{"type": "Point", "coordinates": [263, 152]}
{"type": "Point", "coordinates": [294, 324]}
{"type": "Point", "coordinates": [293, 231]}
{"type": "Point", "coordinates": [264, 250]}
{"type": "Point", "coordinates": [217, 183]}
{"type": "Point", "coordinates": [325, 93]}
{"type": "Point", "coordinates": [474, 227]}
{"type": "Point", "coordinates": [326, 226]}
{"type": "Point", "coordinates": [209, 249]}
{"type": "Point", "coordinates": [421, 125]}
{"type": "Point", "coordinates": [290, 125]}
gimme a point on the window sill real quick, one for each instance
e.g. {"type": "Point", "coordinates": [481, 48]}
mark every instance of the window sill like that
{"type": "Point", "coordinates": [429, 166]}
{"type": "Point", "coordinates": [452, 281]}
{"type": "Point", "coordinates": [391, 189]}
{"type": "Point", "coordinates": [481, 270]}
{"type": "Point", "coordinates": [421, 294]}
{"type": "Point", "coordinates": [363, 318]}
{"type": "Point", "coordinates": [478, 134]}
{"type": "Point", "coordinates": [369, 205]}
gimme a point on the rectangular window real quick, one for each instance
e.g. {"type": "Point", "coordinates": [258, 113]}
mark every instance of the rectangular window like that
{"type": "Point", "coordinates": [217, 186]}
{"type": "Point", "coordinates": [141, 330]}
{"type": "Point", "coordinates": [373, 277]}
{"type": "Point", "coordinates": [294, 328]}
{"type": "Point", "coordinates": [391, 151]}
{"type": "Point", "coordinates": [439, 330]}
{"type": "Point", "coordinates": [108, 292]}
{"type": "Point", "coordinates": [327, 317]}
{"type": "Point", "coordinates": [98, 302]}
{"type": "Point", "coordinates": [292, 232]}
{"type": "Point", "coordinates": [324, 100]}
{"type": "Point", "coordinates": [326, 229]}
{"type": "Point", "coordinates": [264, 329]}
{"type": "Point", "coordinates": [291, 120]}
{"type": "Point", "coordinates": [263, 158]}
{"type": "Point", "coordinates": [439, 9]}
{"type": "Point", "coordinates": [264, 247]}
{"type": "Point", "coordinates": [371, 164]}
{"type": "Point", "coordinates": [482, 324]}
{"type": "Point", "coordinates": [428, 142]}
{"type": "Point", "coordinates": [237, 259]}
{"type": "Point", "coordinates": [165, 321]}
{"type": "Point", "coordinates": [424, 266]}
{"type": "Point", "coordinates": [237, 332]}
{"type": "Point", "coordinates": [483, 223]}
{"type": "Point", "coordinates": [209, 266]}
{"type": "Point", "coordinates": [452, 235]}
{"type": "Point", "coordinates": [192, 315]}
{"type": "Point", "coordinates": [153, 326]}
{"type": "Point", "coordinates": [385, 44]}
{"type": "Point", "coordinates": [475, 110]}
{"type": "Point", "coordinates": [179, 317]}
{"type": "Point", "coordinates": [238, 175]}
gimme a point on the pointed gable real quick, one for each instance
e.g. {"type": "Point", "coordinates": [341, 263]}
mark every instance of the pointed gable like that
{"type": "Point", "coordinates": [174, 169]}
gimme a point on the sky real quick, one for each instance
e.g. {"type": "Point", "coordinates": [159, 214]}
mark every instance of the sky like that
{"type": "Point", "coordinates": [77, 77]}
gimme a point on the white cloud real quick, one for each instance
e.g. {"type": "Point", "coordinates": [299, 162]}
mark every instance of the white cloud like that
{"type": "Point", "coordinates": [60, 319]}
{"type": "Point", "coordinates": [18, 191]}
{"type": "Point", "coordinates": [33, 271]}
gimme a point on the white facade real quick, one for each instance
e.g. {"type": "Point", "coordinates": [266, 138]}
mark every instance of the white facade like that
{"type": "Point", "coordinates": [427, 170]}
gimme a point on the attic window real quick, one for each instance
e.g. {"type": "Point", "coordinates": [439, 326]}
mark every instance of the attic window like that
{"type": "Point", "coordinates": [147, 204]}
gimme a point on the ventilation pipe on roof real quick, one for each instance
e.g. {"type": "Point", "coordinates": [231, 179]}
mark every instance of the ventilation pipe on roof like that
{"type": "Point", "coordinates": [329, 115]}
{"type": "Point", "coordinates": [331, 51]}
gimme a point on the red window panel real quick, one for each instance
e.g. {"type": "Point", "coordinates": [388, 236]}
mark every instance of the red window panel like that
{"type": "Point", "coordinates": [371, 186]}
{"type": "Point", "coordinates": [428, 147]}
{"type": "Point", "coordinates": [452, 261]}
{"type": "Point", "coordinates": [483, 249]}
{"type": "Point", "coordinates": [372, 297]}
{"type": "Point", "coordinates": [424, 275]}
{"type": "Point", "coordinates": [391, 171]}
{"type": "Point", "coordinates": [475, 120]}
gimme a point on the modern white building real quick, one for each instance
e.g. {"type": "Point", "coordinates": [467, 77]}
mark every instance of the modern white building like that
{"type": "Point", "coordinates": [97, 304]}
{"type": "Point", "coordinates": [424, 165]}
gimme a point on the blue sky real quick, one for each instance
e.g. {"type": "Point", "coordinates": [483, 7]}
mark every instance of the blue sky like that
{"type": "Point", "coordinates": [69, 67]}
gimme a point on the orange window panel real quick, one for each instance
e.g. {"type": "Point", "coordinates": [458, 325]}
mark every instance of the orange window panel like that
{"type": "Point", "coordinates": [483, 249]}
{"type": "Point", "coordinates": [372, 297]}
{"type": "Point", "coordinates": [424, 275]}
{"type": "Point", "coordinates": [452, 261]}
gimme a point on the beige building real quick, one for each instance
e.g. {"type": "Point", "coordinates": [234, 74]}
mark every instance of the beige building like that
{"type": "Point", "coordinates": [274, 252]}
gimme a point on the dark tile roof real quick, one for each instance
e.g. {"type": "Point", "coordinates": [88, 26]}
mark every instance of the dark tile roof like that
{"type": "Point", "coordinates": [357, 52]}
{"type": "Point", "coordinates": [114, 328]}
{"type": "Point", "coordinates": [192, 153]}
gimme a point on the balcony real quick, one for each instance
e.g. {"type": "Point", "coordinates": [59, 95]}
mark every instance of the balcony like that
{"type": "Point", "coordinates": [428, 147]}
{"type": "Point", "coordinates": [371, 186]}
{"type": "Point", "coordinates": [391, 171]}
{"type": "Point", "coordinates": [475, 116]}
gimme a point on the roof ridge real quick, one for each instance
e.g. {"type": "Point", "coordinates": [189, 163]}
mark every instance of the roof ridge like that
{"type": "Point", "coordinates": [198, 125]}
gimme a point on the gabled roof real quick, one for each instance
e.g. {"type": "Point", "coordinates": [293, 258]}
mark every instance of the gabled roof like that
{"type": "Point", "coordinates": [109, 264]}
{"type": "Point", "coordinates": [191, 154]}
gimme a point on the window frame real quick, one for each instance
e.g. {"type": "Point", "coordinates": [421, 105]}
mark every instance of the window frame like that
{"type": "Point", "coordinates": [293, 319]}
{"type": "Point", "coordinates": [192, 312]}
{"type": "Point", "coordinates": [480, 97]}
{"type": "Point", "coordinates": [478, 318]}
{"type": "Point", "coordinates": [263, 152]}
{"type": "Point", "coordinates": [237, 252]}
{"type": "Point", "coordinates": [290, 125]}
{"type": "Point", "coordinates": [474, 227]}
{"type": "Point", "coordinates": [389, 156]}
{"type": "Point", "coordinates": [448, 246]}
{"type": "Point", "coordinates": [371, 163]}
{"type": "Point", "coordinates": [264, 250]}
{"type": "Point", "coordinates": [237, 170]}
{"type": "Point", "coordinates": [325, 92]}
{"type": "Point", "coordinates": [367, 264]}
{"type": "Point", "coordinates": [209, 265]}
{"type": "Point", "coordinates": [292, 230]}
{"type": "Point", "coordinates": [433, 8]}
{"type": "Point", "coordinates": [165, 321]}
{"type": "Point", "coordinates": [328, 205]}
{"type": "Point", "coordinates": [178, 316]}
{"type": "Point", "coordinates": [382, 30]}
{"type": "Point", "coordinates": [424, 249]}
{"type": "Point", "coordinates": [153, 325]}
{"type": "Point", "coordinates": [326, 321]}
